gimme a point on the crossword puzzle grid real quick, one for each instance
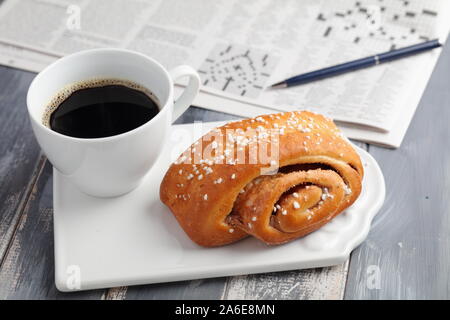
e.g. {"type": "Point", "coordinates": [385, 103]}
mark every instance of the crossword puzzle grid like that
{"type": "Point", "coordinates": [397, 22]}
{"type": "Point", "coordinates": [237, 70]}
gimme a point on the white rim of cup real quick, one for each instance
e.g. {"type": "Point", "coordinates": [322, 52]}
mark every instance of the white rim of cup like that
{"type": "Point", "coordinates": [90, 51]}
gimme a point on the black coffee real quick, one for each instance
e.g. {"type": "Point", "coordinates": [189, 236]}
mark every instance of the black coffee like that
{"type": "Point", "coordinates": [100, 108]}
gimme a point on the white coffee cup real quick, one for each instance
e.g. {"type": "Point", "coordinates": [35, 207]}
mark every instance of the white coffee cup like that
{"type": "Point", "coordinates": [110, 166]}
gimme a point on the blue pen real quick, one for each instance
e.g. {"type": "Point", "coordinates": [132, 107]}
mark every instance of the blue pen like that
{"type": "Point", "coordinates": [357, 64]}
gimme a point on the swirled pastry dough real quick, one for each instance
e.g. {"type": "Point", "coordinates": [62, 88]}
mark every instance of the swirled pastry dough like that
{"type": "Point", "coordinates": [275, 177]}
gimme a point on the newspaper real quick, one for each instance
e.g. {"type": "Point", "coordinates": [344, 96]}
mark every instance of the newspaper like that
{"type": "Point", "coordinates": [241, 47]}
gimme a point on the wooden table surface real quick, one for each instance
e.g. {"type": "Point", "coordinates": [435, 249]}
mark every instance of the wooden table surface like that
{"type": "Point", "coordinates": [406, 255]}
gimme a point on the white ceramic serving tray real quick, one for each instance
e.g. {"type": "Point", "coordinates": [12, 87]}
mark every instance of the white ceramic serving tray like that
{"type": "Point", "coordinates": [134, 239]}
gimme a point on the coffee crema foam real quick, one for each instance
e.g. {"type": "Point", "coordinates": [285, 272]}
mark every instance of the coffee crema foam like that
{"type": "Point", "coordinates": [66, 91]}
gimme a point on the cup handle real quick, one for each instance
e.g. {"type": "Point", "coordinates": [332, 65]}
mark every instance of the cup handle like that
{"type": "Point", "coordinates": [189, 93]}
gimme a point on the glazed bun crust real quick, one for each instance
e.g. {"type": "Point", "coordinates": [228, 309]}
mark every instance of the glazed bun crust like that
{"type": "Point", "coordinates": [218, 196]}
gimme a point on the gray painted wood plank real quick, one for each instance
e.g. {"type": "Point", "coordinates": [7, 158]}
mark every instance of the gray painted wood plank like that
{"type": "Point", "coordinates": [206, 289]}
{"type": "Point", "coordinates": [19, 153]}
{"type": "Point", "coordinates": [312, 284]}
{"type": "Point", "coordinates": [407, 253]}
{"type": "Point", "coordinates": [24, 267]}
{"type": "Point", "coordinates": [27, 272]}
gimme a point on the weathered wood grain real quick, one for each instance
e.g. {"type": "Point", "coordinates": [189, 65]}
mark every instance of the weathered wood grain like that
{"type": "Point", "coordinates": [27, 271]}
{"type": "Point", "coordinates": [312, 284]}
{"type": "Point", "coordinates": [407, 253]}
{"type": "Point", "coordinates": [19, 154]}
{"type": "Point", "coordinates": [26, 236]}
{"type": "Point", "coordinates": [184, 290]}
